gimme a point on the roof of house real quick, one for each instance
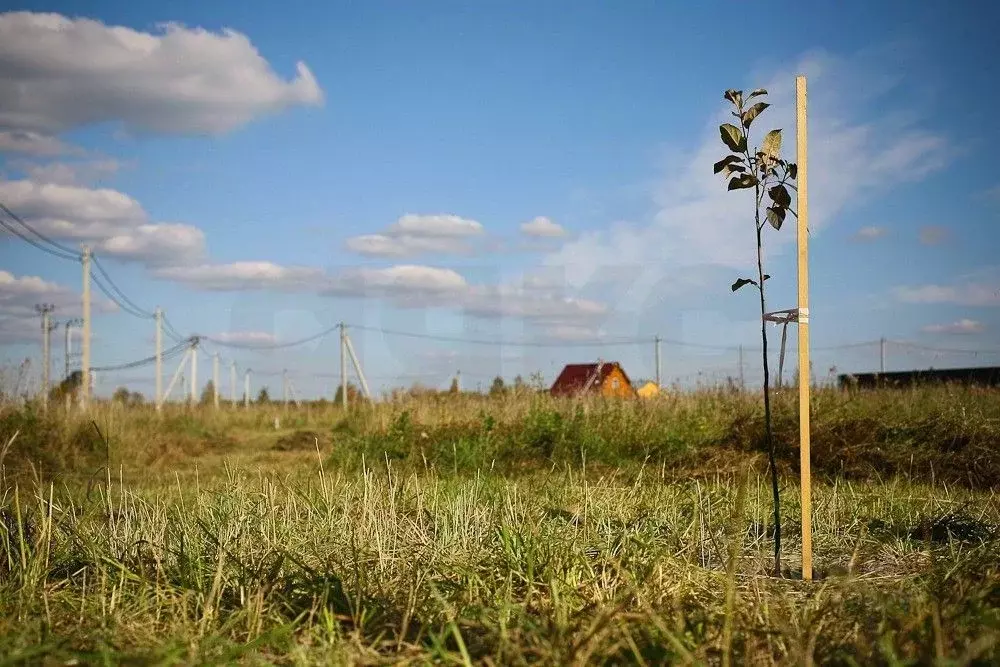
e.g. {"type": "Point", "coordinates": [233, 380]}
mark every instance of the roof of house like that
{"type": "Point", "coordinates": [574, 377]}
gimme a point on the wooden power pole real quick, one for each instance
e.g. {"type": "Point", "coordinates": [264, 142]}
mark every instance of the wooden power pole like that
{"type": "Point", "coordinates": [159, 358]}
{"type": "Point", "coordinates": [85, 343]}
{"type": "Point", "coordinates": [803, 322]}
{"type": "Point", "coordinates": [45, 310]}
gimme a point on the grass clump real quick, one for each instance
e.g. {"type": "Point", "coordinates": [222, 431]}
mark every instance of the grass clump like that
{"type": "Point", "coordinates": [318, 565]}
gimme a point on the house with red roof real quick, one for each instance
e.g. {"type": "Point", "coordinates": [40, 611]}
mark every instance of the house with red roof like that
{"type": "Point", "coordinates": [604, 378]}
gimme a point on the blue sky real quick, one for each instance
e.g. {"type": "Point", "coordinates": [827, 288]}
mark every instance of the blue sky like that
{"type": "Point", "coordinates": [509, 171]}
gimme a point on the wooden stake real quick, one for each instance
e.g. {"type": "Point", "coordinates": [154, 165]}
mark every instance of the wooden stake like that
{"type": "Point", "coordinates": [803, 320]}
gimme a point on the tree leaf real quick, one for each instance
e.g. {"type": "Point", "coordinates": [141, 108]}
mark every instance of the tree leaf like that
{"type": "Point", "coordinates": [757, 92]}
{"type": "Point", "coordinates": [733, 137]}
{"type": "Point", "coordinates": [741, 282]}
{"type": "Point", "coordinates": [775, 216]}
{"type": "Point", "coordinates": [734, 96]}
{"type": "Point", "coordinates": [793, 170]}
{"type": "Point", "coordinates": [733, 169]}
{"type": "Point", "coordinates": [779, 194]}
{"type": "Point", "coordinates": [766, 276]}
{"type": "Point", "coordinates": [742, 181]}
{"type": "Point", "coordinates": [752, 113]}
{"type": "Point", "coordinates": [772, 143]}
{"type": "Point", "coordinates": [725, 162]}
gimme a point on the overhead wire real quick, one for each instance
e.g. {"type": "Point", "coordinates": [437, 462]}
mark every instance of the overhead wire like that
{"type": "Point", "coordinates": [55, 253]}
{"type": "Point", "coordinates": [167, 355]}
{"type": "Point", "coordinates": [474, 341]}
{"type": "Point", "coordinates": [269, 346]}
{"type": "Point", "coordinates": [132, 305]}
{"type": "Point", "coordinates": [118, 302]}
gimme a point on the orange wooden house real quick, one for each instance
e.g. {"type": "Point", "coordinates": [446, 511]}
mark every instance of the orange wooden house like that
{"type": "Point", "coordinates": [605, 378]}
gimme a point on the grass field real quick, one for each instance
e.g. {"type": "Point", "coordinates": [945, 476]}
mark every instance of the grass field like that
{"type": "Point", "coordinates": [509, 531]}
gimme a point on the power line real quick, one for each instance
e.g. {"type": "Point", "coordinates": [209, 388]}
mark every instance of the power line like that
{"type": "Point", "coordinates": [474, 341]}
{"type": "Point", "coordinates": [139, 310]}
{"type": "Point", "coordinates": [270, 346]}
{"type": "Point", "coordinates": [167, 355]}
{"type": "Point", "coordinates": [37, 233]}
{"type": "Point", "coordinates": [108, 293]}
{"type": "Point", "coordinates": [169, 328]}
{"type": "Point", "coordinates": [945, 350]}
{"type": "Point", "coordinates": [61, 255]}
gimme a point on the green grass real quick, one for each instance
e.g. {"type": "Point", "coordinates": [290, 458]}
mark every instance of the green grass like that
{"type": "Point", "coordinates": [514, 532]}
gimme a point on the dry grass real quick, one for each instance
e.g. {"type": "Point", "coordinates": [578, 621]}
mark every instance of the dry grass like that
{"type": "Point", "coordinates": [513, 532]}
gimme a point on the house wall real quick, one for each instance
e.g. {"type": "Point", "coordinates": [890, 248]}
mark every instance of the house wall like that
{"type": "Point", "coordinates": [621, 389]}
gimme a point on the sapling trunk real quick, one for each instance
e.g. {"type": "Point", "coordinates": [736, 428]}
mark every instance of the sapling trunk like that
{"type": "Point", "coordinates": [758, 170]}
{"type": "Point", "coordinates": [768, 433]}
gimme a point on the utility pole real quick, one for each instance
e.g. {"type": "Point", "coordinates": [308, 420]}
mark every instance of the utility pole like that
{"type": "Point", "coordinates": [284, 388]}
{"type": "Point", "coordinates": [159, 357]}
{"type": "Point", "coordinates": [193, 398]}
{"type": "Point", "coordinates": [881, 355]}
{"type": "Point", "coordinates": [658, 362]}
{"type": "Point", "coordinates": [85, 351]}
{"type": "Point", "coordinates": [742, 379]}
{"type": "Point", "coordinates": [246, 389]}
{"type": "Point", "coordinates": [343, 366]}
{"type": "Point", "coordinates": [68, 343]}
{"type": "Point", "coordinates": [215, 379]}
{"type": "Point", "coordinates": [45, 310]}
{"type": "Point", "coordinates": [232, 383]}
{"type": "Point", "coordinates": [357, 367]}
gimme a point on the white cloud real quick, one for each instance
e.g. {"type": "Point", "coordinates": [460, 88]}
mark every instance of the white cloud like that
{"type": "Point", "coordinates": [246, 337]}
{"type": "Point", "coordinates": [870, 233]}
{"type": "Point", "coordinates": [448, 226]}
{"type": "Point", "coordinates": [933, 235]}
{"type": "Point", "coordinates": [981, 288]}
{"type": "Point", "coordinates": [71, 173]}
{"type": "Point", "coordinates": [59, 73]}
{"type": "Point", "coordinates": [383, 245]}
{"type": "Point", "coordinates": [506, 301]}
{"type": "Point", "coordinates": [32, 143]}
{"type": "Point", "coordinates": [239, 276]}
{"type": "Point", "coordinates": [419, 234]}
{"type": "Point", "coordinates": [398, 281]}
{"type": "Point", "coordinates": [542, 227]}
{"type": "Point", "coordinates": [19, 330]}
{"type": "Point", "coordinates": [113, 223]}
{"type": "Point", "coordinates": [20, 294]}
{"type": "Point", "coordinates": [963, 326]}
{"type": "Point", "coordinates": [574, 333]}
{"type": "Point", "coordinates": [697, 223]}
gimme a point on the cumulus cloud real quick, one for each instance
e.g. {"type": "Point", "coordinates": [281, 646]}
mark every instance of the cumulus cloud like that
{"type": "Point", "coordinates": [981, 288]}
{"type": "Point", "coordinates": [15, 330]}
{"type": "Point", "coordinates": [113, 223]}
{"type": "Point", "coordinates": [697, 223]}
{"type": "Point", "coordinates": [542, 227]}
{"type": "Point", "coordinates": [71, 173]}
{"type": "Point", "coordinates": [239, 276]}
{"type": "Point", "coordinates": [963, 326]}
{"type": "Point", "coordinates": [419, 234]}
{"type": "Point", "coordinates": [506, 301]}
{"type": "Point", "coordinates": [870, 233]}
{"type": "Point", "coordinates": [933, 235]}
{"type": "Point", "coordinates": [59, 73]}
{"type": "Point", "coordinates": [384, 245]}
{"type": "Point", "coordinates": [249, 338]}
{"type": "Point", "coordinates": [32, 143]}
{"type": "Point", "coordinates": [402, 281]}
{"type": "Point", "coordinates": [20, 294]}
